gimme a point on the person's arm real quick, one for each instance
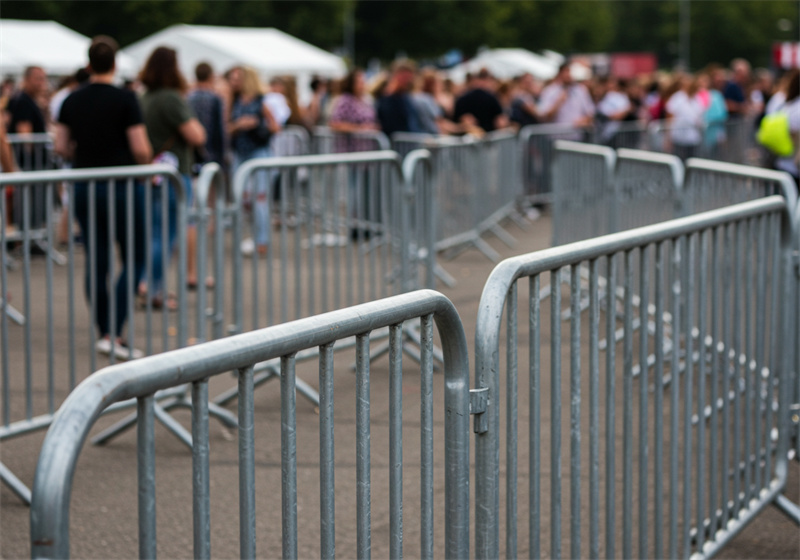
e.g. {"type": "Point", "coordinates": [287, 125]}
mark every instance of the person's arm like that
{"type": "Point", "coordinates": [272, 124]}
{"type": "Point", "coordinates": [62, 145]}
{"type": "Point", "coordinates": [139, 144]}
{"type": "Point", "coordinates": [193, 132]}
{"type": "Point", "coordinates": [7, 163]}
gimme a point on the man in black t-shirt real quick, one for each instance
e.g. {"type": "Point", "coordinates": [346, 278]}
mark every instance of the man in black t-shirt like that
{"type": "Point", "coordinates": [482, 104]}
{"type": "Point", "coordinates": [25, 115]}
{"type": "Point", "coordinates": [101, 126]}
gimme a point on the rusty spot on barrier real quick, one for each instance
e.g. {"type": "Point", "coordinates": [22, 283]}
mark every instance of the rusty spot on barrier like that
{"type": "Point", "coordinates": [43, 542]}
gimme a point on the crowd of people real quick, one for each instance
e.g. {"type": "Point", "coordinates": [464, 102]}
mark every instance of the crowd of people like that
{"type": "Point", "coordinates": [231, 118]}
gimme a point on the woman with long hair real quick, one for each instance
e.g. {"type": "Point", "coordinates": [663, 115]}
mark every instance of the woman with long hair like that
{"type": "Point", "coordinates": [251, 127]}
{"type": "Point", "coordinates": [787, 100]}
{"type": "Point", "coordinates": [174, 132]}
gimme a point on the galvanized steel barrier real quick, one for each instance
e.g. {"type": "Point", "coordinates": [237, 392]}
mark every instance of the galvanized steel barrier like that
{"type": "Point", "coordinates": [694, 416]}
{"type": "Point", "coordinates": [583, 191]}
{"type": "Point", "coordinates": [349, 229]}
{"type": "Point", "coordinates": [33, 152]}
{"type": "Point", "coordinates": [143, 379]}
{"type": "Point", "coordinates": [54, 345]}
{"type": "Point", "coordinates": [712, 184]}
{"type": "Point", "coordinates": [328, 141]}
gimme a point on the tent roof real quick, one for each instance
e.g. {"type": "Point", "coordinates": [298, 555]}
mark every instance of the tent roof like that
{"type": "Point", "coordinates": [270, 51]}
{"type": "Point", "coordinates": [54, 47]}
{"type": "Point", "coordinates": [508, 63]}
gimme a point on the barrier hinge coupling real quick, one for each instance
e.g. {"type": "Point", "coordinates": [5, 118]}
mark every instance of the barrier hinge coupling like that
{"type": "Point", "coordinates": [478, 405]}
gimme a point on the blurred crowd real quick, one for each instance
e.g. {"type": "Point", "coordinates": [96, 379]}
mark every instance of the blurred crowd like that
{"type": "Point", "coordinates": [230, 118]}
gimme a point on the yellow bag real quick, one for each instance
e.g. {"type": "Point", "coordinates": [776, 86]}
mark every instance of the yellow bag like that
{"type": "Point", "coordinates": [773, 133]}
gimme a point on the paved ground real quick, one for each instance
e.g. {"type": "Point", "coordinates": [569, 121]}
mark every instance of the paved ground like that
{"type": "Point", "coordinates": [104, 511]}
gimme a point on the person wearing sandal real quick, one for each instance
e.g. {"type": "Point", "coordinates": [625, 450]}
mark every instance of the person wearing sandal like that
{"type": "Point", "coordinates": [101, 125]}
{"type": "Point", "coordinates": [174, 129]}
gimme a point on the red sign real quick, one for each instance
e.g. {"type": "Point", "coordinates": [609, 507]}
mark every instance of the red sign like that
{"type": "Point", "coordinates": [786, 55]}
{"type": "Point", "coordinates": [630, 65]}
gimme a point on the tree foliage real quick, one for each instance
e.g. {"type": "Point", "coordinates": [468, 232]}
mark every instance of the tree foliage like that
{"type": "Point", "coordinates": [425, 29]}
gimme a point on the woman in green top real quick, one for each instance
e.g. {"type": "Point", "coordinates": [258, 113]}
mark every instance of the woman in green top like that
{"type": "Point", "coordinates": [173, 129]}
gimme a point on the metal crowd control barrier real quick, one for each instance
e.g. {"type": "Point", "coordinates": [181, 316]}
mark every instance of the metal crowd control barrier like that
{"type": "Point", "coordinates": [536, 144]}
{"type": "Point", "coordinates": [55, 345]}
{"type": "Point", "coordinates": [583, 185]}
{"type": "Point", "coordinates": [730, 141]}
{"type": "Point", "coordinates": [694, 417]}
{"type": "Point", "coordinates": [33, 152]}
{"type": "Point", "coordinates": [359, 228]}
{"type": "Point", "coordinates": [291, 141]}
{"type": "Point", "coordinates": [328, 141]}
{"type": "Point", "coordinates": [142, 380]}
{"type": "Point", "coordinates": [711, 184]}
{"type": "Point", "coordinates": [647, 189]}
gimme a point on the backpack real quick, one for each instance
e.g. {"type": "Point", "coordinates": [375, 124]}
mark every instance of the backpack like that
{"type": "Point", "coordinates": [773, 133]}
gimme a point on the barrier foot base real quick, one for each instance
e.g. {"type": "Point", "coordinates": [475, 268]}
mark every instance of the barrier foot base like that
{"type": "Point", "coordinates": [445, 277]}
{"type": "Point", "coordinates": [302, 387]}
{"type": "Point", "coordinates": [411, 344]}
{"type": "Point", "coordinates": [13, 313]}
{"type": "Point", "coordinates": [787, 507]}
{"type": "Point", "coordinates": [15, 484]}
{"type": "Point", "coordinates": [224, 416]}
{"type": "Point", "coordinates": [503, 236]}
{"type": "Point", "coordinates": [129, 421]}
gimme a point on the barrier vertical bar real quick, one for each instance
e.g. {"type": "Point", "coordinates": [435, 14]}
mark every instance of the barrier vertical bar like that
{"type": "Point", "coordinates": [644, 377]}
{"type": "Point", "coordinates": [555, 424]}
{"type": "Point", "coordinates": [727, 360]}
{"type": "Point", "coordinates": [146, 453]}
{"type": "Point", "coordinates": [511, 422]}
{"type": "Point", "coordinates": [288, 454]}
{"type": "Point", "coordinates": [658, 413]}
{"type": "Point", "coordinates": [627, 412]}
{"type": "Point", "coordinates": [247, 478]}
{"type": "Point", "coordinates": [702, 327]}
{"type": "Point", "coordinates": [714, 426]}
{"type": "Point", "coordinates": [575, 411]}
{"type": "Point", "coordinates": [396, 442]}
{"type": "Point", "coordinates": [534, 437]}
{"type": "Point", "coordinates": [200, 471]}
{"type": "Point", "coordinates": [738, 355]}
{"type": "Point", "coordinates": [677, 247]}
{"type": "Point", "coordinates": [426, 438]}
{"type": "Point", "coordinates": [363, 508]}
{"type": "Point", "coordinates": [688, 278]}
{"type": "Point", "coordinates": [594, 411]}
{"type": "Point", "coordinates": [611, 375]}
{"type": "Point", "coordinates": [327, 457]}
{"type": "Point", "coordinates": [49, 274]}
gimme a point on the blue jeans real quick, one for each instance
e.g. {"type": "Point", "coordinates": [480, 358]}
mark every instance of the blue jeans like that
{"type": "Point", "coordinates": [157, 247]}
{"type": "Point", "coordinates": [98, 264]}
{"type": "Point", "coordinates": [257, 191]}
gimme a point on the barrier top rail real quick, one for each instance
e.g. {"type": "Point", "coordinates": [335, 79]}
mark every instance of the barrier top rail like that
{"type": "Point", "coordinates": [142, 378]}
{"type": "Point", "coordinates": [374, 135]}
{"type": "Point", "coordinates": [32, 137]}
{"type": "Point", "coordinates": [491, 310]}
{"type": "Point", "coordinates": [655, 157]}
{"type": "Point", "coordinates": [746, 171]}
{"type": "Point", "coordinates": [581, 147]}
{"type": "Point", "coordinates": [89, 174]}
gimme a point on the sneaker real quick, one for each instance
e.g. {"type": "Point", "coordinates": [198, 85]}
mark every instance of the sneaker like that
{"type": "Point", "coordinates": [247, 247]}
{"type": "Point", "coordinates": [121, 352]}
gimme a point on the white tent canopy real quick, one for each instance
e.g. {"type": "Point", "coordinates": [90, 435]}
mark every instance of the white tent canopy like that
{"type": "Point", "coordinates": [506, 64]}
{"type": "Point", "coordinates": [270, 51]}
{"type": "Point", "coordinates": [57, 49]}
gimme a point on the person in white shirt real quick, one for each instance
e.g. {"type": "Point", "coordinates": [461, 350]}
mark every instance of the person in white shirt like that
{"type": "Point", "coordinates": [787, 99]}
{"type": "Point", "coordinates": [275, 101]}
{"type": "Point", "coordinates": [612, 108]}
{"type": "Point", "coordinates": [566, 102]}
{"type": "Point", "coordinates": [686, 111]}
